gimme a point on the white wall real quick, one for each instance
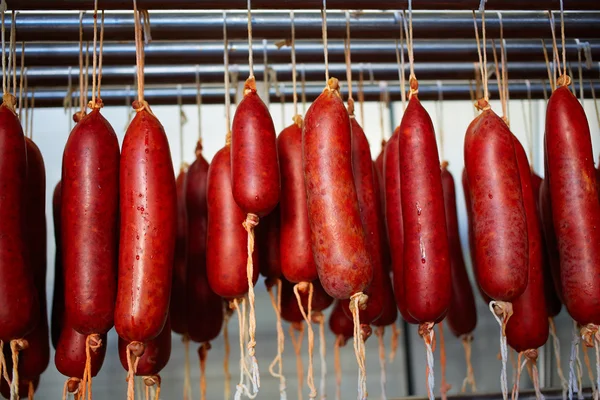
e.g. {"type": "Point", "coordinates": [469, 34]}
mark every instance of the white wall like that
{"type": "Point", "coordinates": [50, 129]}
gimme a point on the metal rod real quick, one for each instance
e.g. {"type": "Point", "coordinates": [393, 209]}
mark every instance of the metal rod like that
{"type": "Point", "coordinates": [44, 27]}
{"type": "Point", "coordinates": [186, 74]}
{"type": "Point", "coordinates": [181, 53]}
{"type": "Point", "coordinates": [299, 4]}
{"type": "Point", "coordinates": [211, 95]}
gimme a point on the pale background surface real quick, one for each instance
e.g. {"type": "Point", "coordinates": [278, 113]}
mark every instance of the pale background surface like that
{"type": "Point", "coordinates": [50, 133]}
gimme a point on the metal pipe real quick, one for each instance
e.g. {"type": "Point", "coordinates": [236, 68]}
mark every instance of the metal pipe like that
{"type": "Point", "coordinates": [44, 27]}
{"type": "Point", "coordinates": [212, 95]}
{"type": "Point", "coordinates": [298, 4]}
{"type": "Point", "coordinates": [181, 53]}
{"type": "Point", "coordinates": [186, 74]}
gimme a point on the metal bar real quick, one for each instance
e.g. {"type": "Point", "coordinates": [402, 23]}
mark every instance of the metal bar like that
{"type": "Point", "coordinates": [44, 27]}
{"type": "Point", "coordinates": [181, 53]}
{"type": "Point", "coordinates": [211, 95]}
{"type": "Point", "coordinates": [186, 74]}
{"type": "Point", "coordinates": [299, 4]}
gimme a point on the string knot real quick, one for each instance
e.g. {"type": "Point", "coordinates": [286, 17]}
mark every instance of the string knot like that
{"type": "Point", "coordinates": [333, 85]}
{"type": "Point", "coordinates": [152, 380]}
{"type": "Point", "coordinates": [303, 287]}
{"type": "Point", "coordinates": [317, 317]}
{"type": "Point", "coordinates": [351, 107]}
{"type": "Point", "coordinates": [228, 138]}
{"type": "Point", "coordinates": [78, 116]}
{"type": "Point", "coordinates": [425, 332]}
{"type": "Point", "coordinates": [414, 85]}
{"type": "Point", "coordinates": [362, 301]}
{"type": "Point", "coordinates": [9, 101]}
{"type": "Point", "coordinates": [140, 105]}
{"type": "Point", "coordinates": [198, 150]}
{"type": "Point", "coordinates": [588, 333]}
{"type": "Point", "coordinates": [251, 222]}
{"type": "Point", "coordinates": [445, 164]}
{"type": "Point", "coordinates": [73, 385]}
{"type": "Point", "coordinates": [531, 355]}
{"type": "Point", "coordinates": [95, 105]}
{"type": "Point", "coordinates": [297, 120]}
{"type": "Point", "coordinates": [564, 80]}
{"type": "Point", "coordinates": [503, 310]}
{"type": "Point", "coordinates": [482, 105]}
{"type": "Point", "coordinates": [250, 85]}
{"type": "Point", "coordinates": [365, 331]}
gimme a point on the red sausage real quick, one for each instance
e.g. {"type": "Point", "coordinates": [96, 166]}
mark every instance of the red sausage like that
{"type": "Point", "coordinates": [342, 326]}
{"type": "Point", "coordinates": [179, 301]}
{"type": "Point", "coordinates": [553, 302]}
{"type": "Point", "coordinates": [386, 256]}
{"type": "Point", "coordinates": [337, 236]}
{"type": "Point", "coordinates": [19, 312]}
{"type": "Point", "coordinates": [156, 353]}
{"type": "Point", "coordinates": [528, 327]}
{"type": "Point", "coordinates": [393, 220]}
{"type": "Point", "coordinates": [58, 297]}
{"type": "Point", "coordinates": [90, 192]}
{"type": "Point", "coordinates": [23, 385]}
{"type": "Point", "coordinates": [467, 193]}
{"type": "Point", "coordinates": [575, 204]}
{"type": "Point", "coordinates": [462, 313]}
{"type": "Point", "coordinates": [205, 308]}
{"type": "Point", "coordinates": [290, 311]}
{"type": "Point", "coordinates": [148, 229]}
{"type": "Point", "coordinates": [499, 220]}
{"type": "Point", "coordinates": [298, 263]}
{"type": "Point", "coordinates": [226, 242]}
{"type": "Point", "coordinates": [427, 281]}
{"type": "Point", "coordinates": [267, 240]}
{"type": "Point", "coordinates": [70, 354]}
{"type": "Point", "coordinates": [254, 164]}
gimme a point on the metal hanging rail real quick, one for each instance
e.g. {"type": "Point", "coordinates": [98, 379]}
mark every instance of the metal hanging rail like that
{"type": "Point", "coordinates": [169, 74]}
{"type": "Point", "coordinates": [299, 4]}
{"type": "Point", "coordinates": [212, 95]}
{"type": "Point", "coordinates": [181, 53]}
{"type": "Point", "coordinates": [50, 27]}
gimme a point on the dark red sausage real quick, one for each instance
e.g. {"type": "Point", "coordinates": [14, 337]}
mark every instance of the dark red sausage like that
{"type": "Point", "coordinates": [553, 302]}
{"type": "Point", "coordinates": [70, 353]}
{"type": "Point", "coordinates": [550, 237]}
{"type": "Point", "coordinates": [386, 255]}
{"type": "Point", "coordinates": [499, 221]}
{"type": "Point", "coordinates": [156, 353]}
{"type": "Point", "coordinates": [23, 385]}
{"type": "Point", "coordinates": [528, 327]}
{"type": "Point", "coordinates": [179, 301]}
{"type": "Point", "coordinates": [468, 205]}
{"type": "Point", "coordinates": [290, 311]}
{"type": "Point", "coordinates": [148, 229]}
{"type": "Point", "coordinates": [298, 265]}
{"type": "Point", "coordinates": [337, 236]}
{"type": "Point", "coordinates": [575, 204]}
{"type": "Point", "coordinates": [254, 165]}
{"type": "Point", "coordinates": [427, 281]}
{"type": "Point", "coordinates": [205, 309]}
{"type": "Point", "coordinates": [90, 193]}
{"type": "Point", "coordinates": [267, 240]}
{"type": "Point", "coordinates": [58, 297]}
{"type": "Point", "coordinates": [393, 220]}
{"type": "Point", "coordinates": [19, 312]}
{"type": "Point", "coordinates": [343, 327]}
{"type": "Point", "coordinates": [462, 313]}
{"type": "Point", "coordinates": [226, 242]}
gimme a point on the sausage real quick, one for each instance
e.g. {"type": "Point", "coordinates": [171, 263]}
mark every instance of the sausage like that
{"type": "Point", "coordinates": [205, 308]}
{"type": "Point", "coordinates": [19, 313]}
{"type": "Point", "coordinates": [70, 353]}
{"type": "Point", "coordinates": [148, 228]}
{"type": "Point", "coordinates": [267, 239]}
{"type": "Point", "coordinates": [23, 385]}
{"type": "Point", "coordinates": [58, 297]}
{"type": "Point", "coordinates": [528, 327]}
{"type": "Point", "coordinates": [462, 313]}
{"type": "Point", "coordinates": [465, 183]}
{"type": "Point", "coordinates": [298, 263]}
{"type": "Point", "coordinates": [156, 353]}
{"type": "Point", "coordinates": [89, 213]}
{"type": "Point", "coordinates": [289, 304]}
{"type": "Point", "coordinates": [343, 327]}
{"type": "Point", "coordinates": [179, 301]}
{"type": "Point", "coordinates": [337, 236]}
{"type": "Point", "coordinates": [427, 281]}
{"type": "Point", "coordinates": [226, 241]}
{"type": "Point", "coordinates": [393, 220]}
{"type": "Point", "coordinates": [499, 221]}
{"type": "Point", "coordinates": [575, 204]}
{"type": "Point", "coordinates": [386, 256]}
{"type": "Point", "coordinates": [254, 164]}
{"type": "Point", "coordinates": [553, 302]}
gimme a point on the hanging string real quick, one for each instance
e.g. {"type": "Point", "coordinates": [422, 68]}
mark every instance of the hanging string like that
{"type": "Point", "coordinates": [324, 35]}
{"type": "Point", "coordinates": [266, 73]}
{"type": "Point", "coordinates": [382, 108]}
{"type": "Point", "coordinates": [319, 318]}
{"type": "Point", "coordinates": [440, 125]}
{"type": "Point", "coordinates": [519, 369]}
{"type": "Point", "coordinates": [400, 58]}
{"type": "Point", "coordinates": [187, 387]}
{"type": "Point", "coordinates": [556, 345]}
{"type": "Point", "coordinates": [241, 388]}
{"type": "Point", "coordinates": [93, 342]}
{"type": "Point", "coordinates": [100, 56]}
{"type": "Point", "coordinates": [202, 354]}
{"type": "Point", "coordinates": [16, 346]}
{"type": "Point", "coordinates": [394, 342]}
{"type": "Point", "coordinates": [308, 318]}
{"type": "Point", "coordinates": [81, 70]}
{"type": "Point", "coordinates": [499, 79]}
{"type": "Point", "coordinates": [348, 66]}
{"type": "Point", "coordinates": [361, 95]}
{"type": "Point", "coordinates": [504, 60]}
{"type": "Point", "coordinates": [337, 365]}
{"type": "Point", "coordinates": [573, 387]}
{"type": "Point", "coordinates": [87, 72]}
{"type": "Point", "coordinates": [94, 56]}
{"type": "Point", "coordinates": [502, 311]}
{"type": "Point", "coordinates": [573, 75]}
{"type": "Point", "coordinates": [2, 12]}
{"type": "Point", "coordinates": [426, 332]}
{"type": "Point", "coordinates": [226, 75]}
{"type": "Point", "coordinates": [12, 59]}
{"type": "Point", "coordinates": [379, 332]}
{"type": "Point", "coordinates": [199, 103]}
{"type": "Point", "coordinates": [412, 81]}
{"type": "Point", "coordinates": [293, 45]}
{"type": "Point", "coordinates": [3, 369]}
{"type": "Point", "coordinates": [580, 71]}
{"type": "Point", "coordinates": [250, 51]}
{"type": "Point", "coordinates": [467, 341]}
{"type": "Point", "coordinates": [357, 302]}
{"type": "Point", "coordinates": [21, 73]}
{"type": "Point", "coordinates": [139, 58]}
{"type": "Point", "coordinates": [445, 386]}
{"type": "Point", "coordinates": [548, 68]}
{"type": "Point", "coordinates": [562, 35]}
{"type": "Point", "coordinates": [280, 339]}
{"type": "Point", "coordinates": [588, 367]}
{"type": "Point", "coordinates": [297, 344]}
{"type": "Point", "coordinates": [482, 60]}
{"type": "Point", "coordinates": [227, 350]}
{"type": "Point", "coordinates": [556, 62]}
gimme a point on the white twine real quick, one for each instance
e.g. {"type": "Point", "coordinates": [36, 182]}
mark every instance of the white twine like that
{"type": "Point", "coordinates": [503, 352]}
{"type": "Point", "coordinates": [574, 350]}
{"type": "Point", "coordinates": [430, 366]}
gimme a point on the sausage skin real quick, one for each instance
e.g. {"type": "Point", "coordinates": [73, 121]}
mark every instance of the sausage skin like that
{"type": "Point", "coordinates": [528, 327]}
{"type": "Point", "coordinates": [575, 204]}
{"type": "Point", "coordinates": [462, 313]}
{"type": "Point", "coordinates": [226, 242]}
{"type": "Point", "coordinates": [70, 354]}
{"type": "Point", "coordinates": [267, 239]}
{"type": "Point", "coordinates": [148, 228]}
{"type": "Point", "coordinates": [156, 353]}
{"type": "Point", "coordinates": [298, 265]}
{"type": "Point", "coordinates": [290, 311]}
{"type": "Point", "coordinates": [337, 236]}
{"type": "Point", "coordinates": [19, 313]}
{"type": "Point", "coordinates": [90, 206]}
{"type": "Point", "coordinates": [427, 281]}
{"type": "Point", "coordinates": [58, 296]}
{"type": "Point", "coordinates": [499, 220]}
{"type": "Point", "coordinates": [179, 301]}
{"type": "Point", "coordinates": [254, 164]}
